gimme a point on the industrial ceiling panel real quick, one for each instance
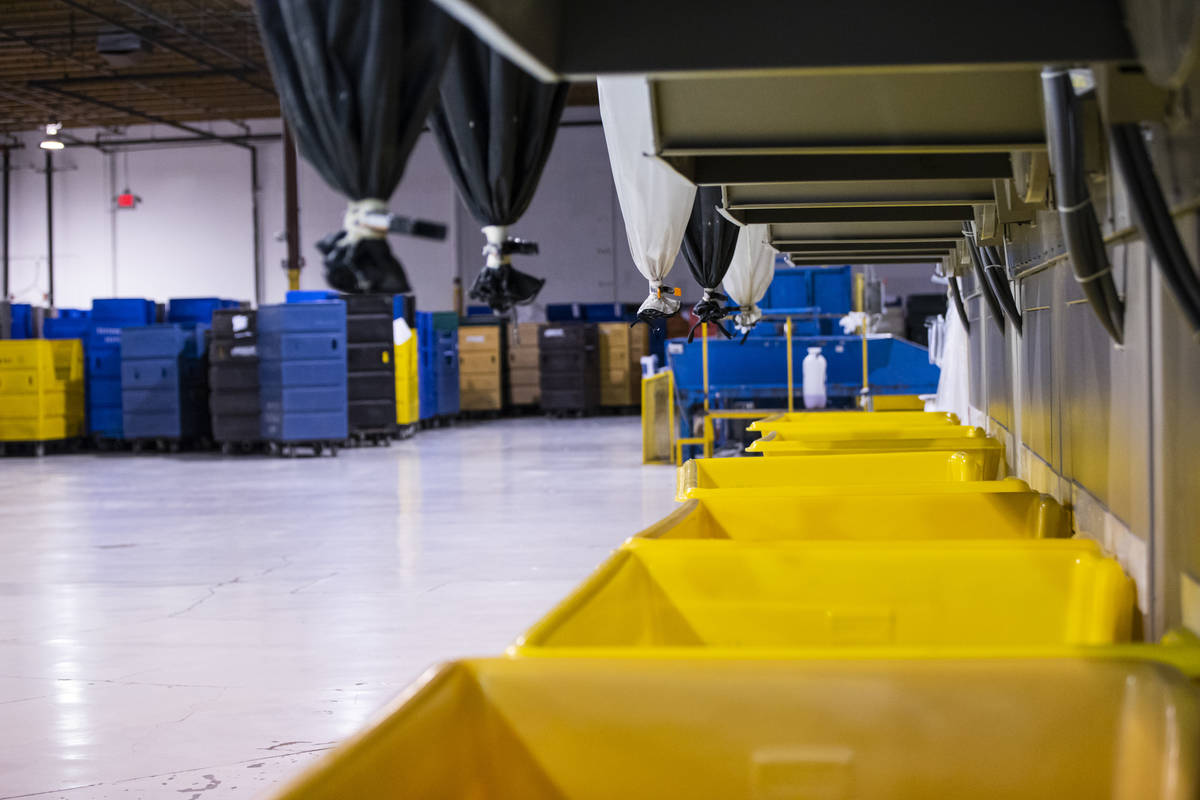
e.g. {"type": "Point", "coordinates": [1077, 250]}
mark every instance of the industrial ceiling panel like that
{"type": "Point", "coordinates": [820, 194]}
{"type": "Point", "coordinates": [981, 110]}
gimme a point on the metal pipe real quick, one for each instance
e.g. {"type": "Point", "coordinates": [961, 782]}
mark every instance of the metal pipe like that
{"type": "Point", "coordinates": [254, 190]}
{"type": "Point", "coordinates": [291, 202]}
{"type": "Point", "coordinates": [173, 141]}
{"type": "Point", "coordinates": [787, 329]}
{"type": "Point", "coordinates": [50, 227]}
{"type": "Point", "coordinates": [959, 306]}
{"type": "Point", "coordinates": [7, 165]}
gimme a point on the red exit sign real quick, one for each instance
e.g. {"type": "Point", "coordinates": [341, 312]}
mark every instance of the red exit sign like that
{"type": "Point", "coordinates": [127, 200]}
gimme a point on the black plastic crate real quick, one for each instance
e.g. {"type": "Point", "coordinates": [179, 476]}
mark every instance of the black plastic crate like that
{"type": "Point", "coordinates": [372, 415]}
{"type": "Point", "coordinates": [560, 381]}
{"type": "Point", "coordinates": [236, 428]}
{"type": "Point", "coordinates": [238, 374]}
{"type": "Point", "coordinates": [234, 323]}
{"type": "Point", "coordinates": [371, 386]}
{"type": "Point", "coordinates": [370, 357]}
{"type": "Point", "coordinates": [227, 349]}
{"type": "Point", "coordinates": [570, 336]}
{"type": "Point", "coordinates": [570, 361]}
{"type": "Point", "coordinates": [369, 304]}
{"type": "Point", "coordinates": [576, 399]}
{"type": "Point", "coordinates": [235, 404]}
{"type": "Point", "coordinates": [373, 329]}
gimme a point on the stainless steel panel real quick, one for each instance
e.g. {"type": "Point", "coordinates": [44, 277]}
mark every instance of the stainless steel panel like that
{"type": "Point", "coordinates": [976, 367]}
{"type": "Point", "coordinates": [999, 370]}
{"type": "Point", "coordinates": [1038, 414]}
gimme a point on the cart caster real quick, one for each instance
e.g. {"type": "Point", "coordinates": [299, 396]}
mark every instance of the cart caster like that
{"type": "Point", "coordinates": [137, 447]}
{"type": "Point", "coordinates": [39, 449]}
{"type": "Point", "coordinates": [333, 450]}
{"type": "Point", "coordinates": [172, 447]}
{"type": "Point", "coordinates": [317, 450]}
{"type": "Point", "coordinates": [226, 448]}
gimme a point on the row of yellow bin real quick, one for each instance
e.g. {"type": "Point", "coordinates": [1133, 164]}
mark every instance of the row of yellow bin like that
{"type": "Point", "coordinates": [41, 390]}
{"type": "Point", "coordinates": [883, 620]}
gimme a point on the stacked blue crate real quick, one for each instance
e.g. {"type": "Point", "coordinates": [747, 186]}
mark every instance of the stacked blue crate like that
{"type": "Point", "coordinates": [21, 315]}
{"type": "Point", "coordinates": [102, 355]}
{"type": "Point", "coordinates": [302, 372]}
{"type": "Point", "coordinates": [196, 309]}
{"type": "Point", "coordinates": [311, 295]}
{"type": "Point", "coordinates": [164, 382]}
{"type": "Point", "coordinates": [437, 363]}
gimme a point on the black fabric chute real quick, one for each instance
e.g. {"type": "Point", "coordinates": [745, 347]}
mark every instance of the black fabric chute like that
{"type": "Point", "coordinates": [708, 245]}
{"type": "Point", "coordinates": [356, 81]}
{"type": "Point", "coordinates": [495, 125]}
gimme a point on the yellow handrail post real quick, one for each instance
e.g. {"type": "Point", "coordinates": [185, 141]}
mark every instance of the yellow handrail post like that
{"type": "Point", "coordinates": [704, 351]}
{"type": "Point", "coordinates": [787, 329]}
{"type": "Point", "coordinates": [860, 300]}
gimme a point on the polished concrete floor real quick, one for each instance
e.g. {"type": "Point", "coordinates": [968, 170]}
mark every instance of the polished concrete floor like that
{"type": "Point", "coordinates": [200, 627]}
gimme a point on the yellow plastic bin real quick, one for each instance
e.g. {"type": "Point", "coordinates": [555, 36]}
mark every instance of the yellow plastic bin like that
{"type": "Point", "coordinates": [989, 449]}
{"type": "Point", "coordinates": [732, 595]}
{"type": "Point", "coordinates": [717, 729]}
{"type": "Point", "coordinates": [791, 432]}
{"type": "Point", "coordinates": [959, 515]}
{"type": "Point", "coordinates": [857, 418]}
{"type": "Point", "coordinates": [699, 477]}
{"type": "Point", "coordinates": [41, 390]}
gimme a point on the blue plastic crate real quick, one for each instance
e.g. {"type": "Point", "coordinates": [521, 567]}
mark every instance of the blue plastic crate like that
{"type": "Point", "coordinates": [437, 363]}
{"type": "Point", "coordinates": [152, 401]}
{"type": "Point", "coordinates": [22, 321]}
{"type": "Point", "coordinates": [66, 328]}
{"type": "Point", "coordinates": [325, 372]}
{"type": "Point", "coordinates": [162, 341]}
{"type": "Point", "coordinates": [104, 392]}
{"type": "Point", "coordinates": [150, 373]}
{"type": "Point", "coordinates": [303, 399]}
{"type": "Point", "coordinates": [564, 312]}
{"type": "Point", "coordinates": [832, 290]}
{"type": "Point", "coordinates": [104, 361]}
{"type": "Point", "coordinates": [106, 421]}
{"type": "Point", "coordinates": [302, 346]}
{"type": "Point", "coordinates": [790, 288]}
{"type": "Point", "coordinates": [608, 312]}
{"type": "Point", "coordinates": [121, 311]}
{"type": "Point", "coordinates": [301, 318]}
{"type": "Point", "coordinates": [74, 313]}
{"type": "Point", "coordinates": [196, 309]}
{"type": "Point", "coordinates": [302, 427]}
{"type": "Point", "coordinates": [311, 295]}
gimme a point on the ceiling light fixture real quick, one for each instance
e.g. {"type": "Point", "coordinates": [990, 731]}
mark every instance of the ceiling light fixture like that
{"type": "Point", "coordinates": [52, 141]}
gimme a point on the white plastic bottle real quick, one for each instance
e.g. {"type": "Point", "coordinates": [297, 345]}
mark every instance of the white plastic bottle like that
{"type": "Point", "coordinates": [814, 378]}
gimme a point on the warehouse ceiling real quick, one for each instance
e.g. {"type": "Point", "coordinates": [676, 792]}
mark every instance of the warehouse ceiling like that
{"type": "Point", "coordinates": [123, 62]}
{"type": "Point", "coordinates": [112, 63]}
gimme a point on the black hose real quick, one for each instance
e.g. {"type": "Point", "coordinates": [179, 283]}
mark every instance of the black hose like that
{"type": "Point", "coordinates": [985, 285]}
{"type": "Point", "coordinates": [999, 276]}
{"type": "Point", "coordinates": [1085, 245]}
{"type": "Point", "coordinates": [1154, 218]}
{"type": "Point", "coordinates": [956, 294]}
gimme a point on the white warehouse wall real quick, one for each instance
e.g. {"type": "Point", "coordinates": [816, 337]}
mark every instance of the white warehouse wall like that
{"type": "Point", "coordinates": [193, 234]}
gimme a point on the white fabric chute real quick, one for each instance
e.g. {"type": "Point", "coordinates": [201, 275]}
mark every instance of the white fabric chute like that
{"type": "Point", "coordinates": [953, 393]}
{"type": "Point", "coordinates": [750, 274]}
{"type": "Point", "coordinates": [655, 201]}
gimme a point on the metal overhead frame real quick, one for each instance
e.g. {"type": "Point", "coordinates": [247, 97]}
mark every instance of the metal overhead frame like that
{"type": "Point", "coordinates": [559, 38]}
